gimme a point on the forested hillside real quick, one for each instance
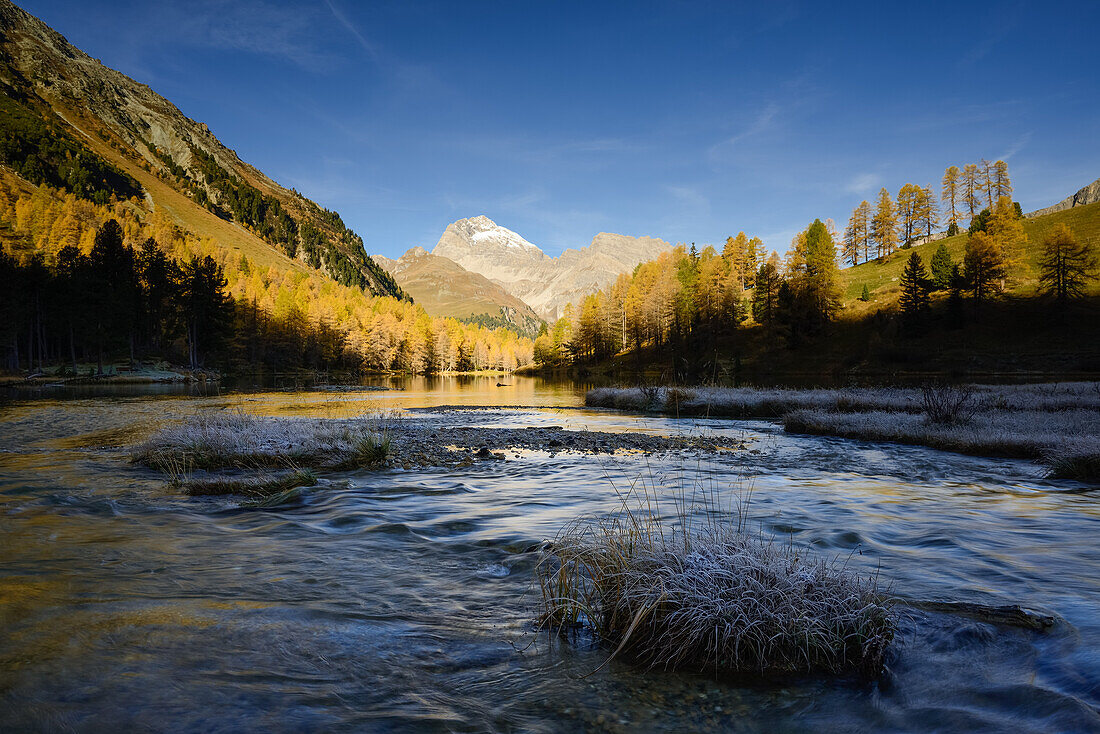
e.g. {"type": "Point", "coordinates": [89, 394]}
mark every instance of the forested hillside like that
{"type": "Point", "coordinates": [1009, 293]}
{"type": "Point", "coordinates": [70, 121]}
{"type": "Point", "coordinates": [82, 145]}
{"type": "Point", "coordinates": [288, 318]}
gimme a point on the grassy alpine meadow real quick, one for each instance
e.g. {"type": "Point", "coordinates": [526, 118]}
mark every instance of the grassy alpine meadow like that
{"type": "Point", "coordinates": [882, 275]}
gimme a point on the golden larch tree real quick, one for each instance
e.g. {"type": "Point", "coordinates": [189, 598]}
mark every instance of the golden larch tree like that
{"type": "Point", "coordinates": [1066, 265]}
{"type": "Point", "coordinates": [908, 208]}
{"type": "Point", "coordinates": [950, 194]}
{"type": "Point", "coordinates": [1001, 184]}
{"type": "Point", "coordinates": [971, 188]}
{"type": "Point", "coordinates": [884, 225]}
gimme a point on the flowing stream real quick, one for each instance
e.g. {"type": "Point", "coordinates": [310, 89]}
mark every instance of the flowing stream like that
{"type": "Point", "coordinates": [402, 600]}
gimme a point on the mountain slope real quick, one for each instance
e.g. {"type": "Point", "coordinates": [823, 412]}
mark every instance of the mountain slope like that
{"type": "Point", "coordinates": [544, 283]}
{"type": "Point", "coordinates": [177, 162]}
{"type": "Point", "coordinates": [882, 277]}
{"type": "Point", "coordinates": [1085, 195]}
{"type": "Point", "coordinates": [444, 288]}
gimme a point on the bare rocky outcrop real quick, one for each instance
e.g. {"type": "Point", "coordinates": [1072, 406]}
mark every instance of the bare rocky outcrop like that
{"type": "Point", "coordinates": [546, 284]}
{"type": "Point", "coordinates": [1086, 195]}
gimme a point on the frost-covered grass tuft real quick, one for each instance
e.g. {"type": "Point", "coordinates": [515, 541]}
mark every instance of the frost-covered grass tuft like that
{"type": "Point", "coordinates": [1057, 424]}
{"type": "Point", "coordinates": [1066, 441]}
{"type": "Point", "coordinates": [712, 599]}
{"type": "Point", "coordinates": [747, 402]}
{"type": "Point", "coordinates": [752, 402]}
{"type": "Point", "coordinates": [232, 439]}
{"type": "Point", "coordinates": [1074, 457]}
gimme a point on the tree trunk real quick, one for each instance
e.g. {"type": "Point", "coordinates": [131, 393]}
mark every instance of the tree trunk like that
{"type": "Point", "coordinates": [72, 346]}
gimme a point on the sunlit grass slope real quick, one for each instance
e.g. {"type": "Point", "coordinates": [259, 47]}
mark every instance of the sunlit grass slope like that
{"type": "Point", "coordinates": [883, 276]}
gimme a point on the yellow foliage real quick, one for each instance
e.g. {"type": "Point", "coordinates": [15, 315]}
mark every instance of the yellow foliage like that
{"type": "Point", "coordinates": [387, 333]}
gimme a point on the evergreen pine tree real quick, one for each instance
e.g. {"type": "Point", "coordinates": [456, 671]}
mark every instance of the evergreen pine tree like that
{"type": "Point", "coordinates": [914, 289]}
{"type": "Point", "coordinates": [942, 267]}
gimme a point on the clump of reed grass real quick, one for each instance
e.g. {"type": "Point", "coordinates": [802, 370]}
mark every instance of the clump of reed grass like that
{"type": "Point", "coordinates": [710, 597]}
{"type": "Point", "coordinates": [1074, 457]}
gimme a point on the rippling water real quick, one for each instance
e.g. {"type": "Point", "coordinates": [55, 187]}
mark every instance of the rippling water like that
{"type": "Point", "coordinates": [401, 600]}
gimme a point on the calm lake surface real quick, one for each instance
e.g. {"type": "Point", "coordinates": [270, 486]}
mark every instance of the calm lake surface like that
{"type": "Point", "coordinates": [402, 600]}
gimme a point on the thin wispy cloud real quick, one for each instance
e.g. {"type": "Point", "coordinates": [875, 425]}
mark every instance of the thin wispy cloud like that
{"type": "Point", "coordinates": [743, 120]}
{"type": "Point", "coordinates": [369, 47]}
{"type": "Point", "coordinates": [251, 26]}
{"type": "Point", "coordinates": [761, 123]}
{"type": "Point", "coordinates": [863, 182]}
{"type": "Point", "coordinates": [999, 29]}
{"type": "Point", "coordinates": [1016, 147]}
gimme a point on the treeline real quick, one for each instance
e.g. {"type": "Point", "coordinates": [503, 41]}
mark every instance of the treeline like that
{"type": "Point", "coordinates": [41, 152]}
{"type": "Point", "coordinates": [528, 327]}
{"type": "Point", "coordinates": [114, 299]}
{"type": "Point", "coordinates": [688, 303]}
{"type": "Point", "coordinates": [878, 231]}
{"type": "Point", "coordinates": [279, 319]}
{"type": "Point", "coordinates": [667, 301]}
{"type": "Point", "coordinates": [301, 238]}
{"type": "Point", "coordinates": [995, 245]}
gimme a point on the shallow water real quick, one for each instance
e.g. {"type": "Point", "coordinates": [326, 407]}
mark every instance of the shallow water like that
{"type": "Point", "coordinates": [401, 600]}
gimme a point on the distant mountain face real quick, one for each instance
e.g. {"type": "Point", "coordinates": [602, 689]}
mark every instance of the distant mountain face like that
{"type": "Point", "coordinates": [1086, 195]}
{"type": "Point", "coordinates": [545, 284]}
{"type": "Point", "coordinates": [444, 288]}
{"type": "Point", "coordinates": [51, 90]}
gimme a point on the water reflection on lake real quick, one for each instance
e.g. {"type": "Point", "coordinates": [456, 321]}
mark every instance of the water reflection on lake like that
{"type": "Point", "coordinates": [401, 600]}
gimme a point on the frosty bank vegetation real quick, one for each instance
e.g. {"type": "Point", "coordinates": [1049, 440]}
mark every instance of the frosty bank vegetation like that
{"type": "Point", "coordinates": [1057, 425]}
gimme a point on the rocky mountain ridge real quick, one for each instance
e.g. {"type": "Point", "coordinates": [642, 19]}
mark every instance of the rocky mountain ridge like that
{"type": "Point", "coordinates": [1085, 195]}
{"type": "Point", "coordinates": [444, 288]}
{"type": "Point", "coordinates": [142, 133]}
{"type": "Point", "coordinates": [544, 283]}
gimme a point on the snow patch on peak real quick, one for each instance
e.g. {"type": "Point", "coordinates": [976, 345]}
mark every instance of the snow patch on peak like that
{"type": "Point", "coordinates": [480, 222]}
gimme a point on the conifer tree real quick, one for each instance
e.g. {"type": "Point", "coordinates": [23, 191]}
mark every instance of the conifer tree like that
{"type": "Point", "coordinates": [884, 225]}
{"type": "Point", "coordinates": [857, 234]}
{"type": "Point", "coordinates": [766, 293]}
{"type": "Point", "coordinates": [983, 265]}
{"type": "Point", "coordinates": [928, 213]}
{"type": "Point", "coordinates": [914, 289]}
{"type": "Point", "coordinates": [754, 258]}
{"type": "Point", "coordinates": [865, 294]}
{"type": "Point", "coordinates": [735, 253]}
{"type": "Point", "coordinates": [1008, 233]}
{"type": "Point", "coordinates": [951, 195]}
{"type": "Point", "coordinates": [1066, 265]}
{"type": "Point", "coordinates": [971, 188]}
{"type": "Point", "coordinates": [822, 275]}
{"type": "Point", "coordinates": [1001, 184]}
{"type": "Point", "coordinates": [985, 181]}
{"type": "Point", "coordinates": [908, 208]}
{"type": "Point", "coordinates": [942, 267]}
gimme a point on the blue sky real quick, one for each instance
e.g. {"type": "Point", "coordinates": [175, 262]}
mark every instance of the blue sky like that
{"type": "Point", "coordinates": [682, 120]}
